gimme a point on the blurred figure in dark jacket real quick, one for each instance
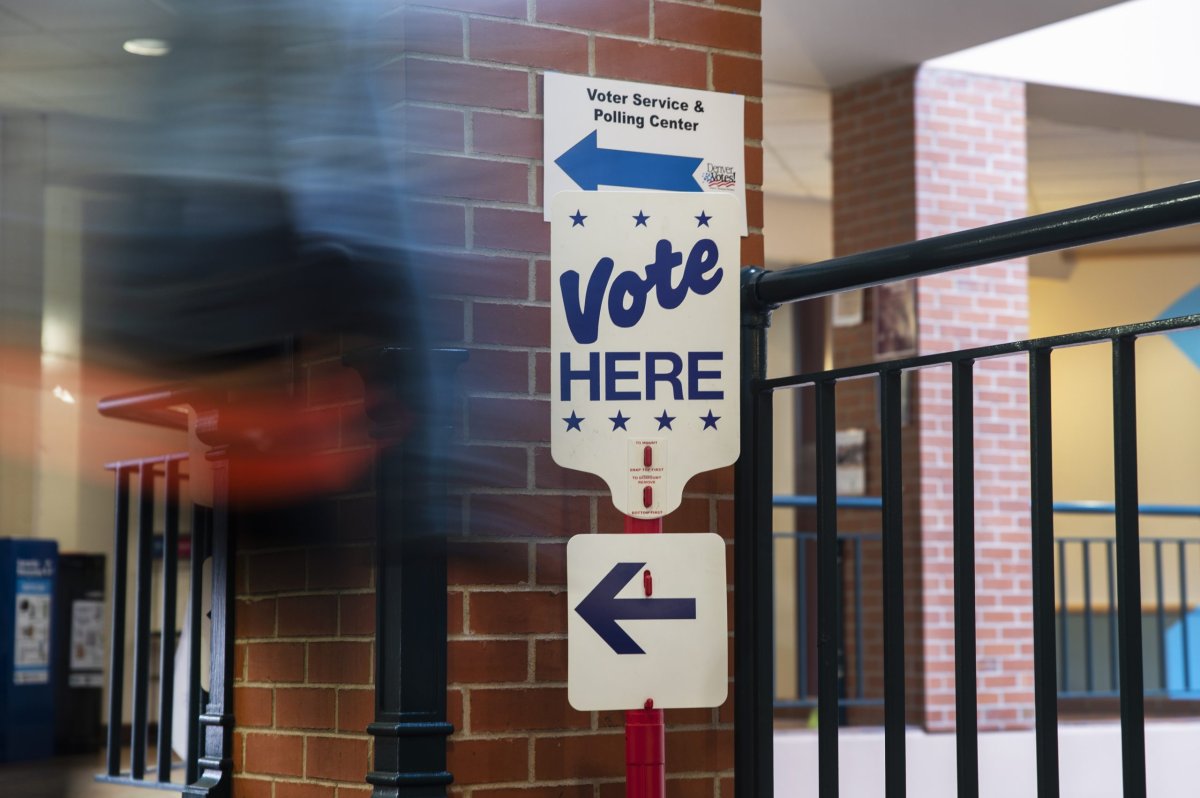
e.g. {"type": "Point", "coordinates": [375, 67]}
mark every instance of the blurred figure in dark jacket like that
{"type": "Point", "coordinates": [251, 218]}
{"type": "Point", "coordinates": [261, 194]}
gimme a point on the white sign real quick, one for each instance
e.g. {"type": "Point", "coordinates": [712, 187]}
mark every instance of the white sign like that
{"type": "Point", "coordinates": [610, 134]}
{"type": "Point", "coordinates": [87, 635]}
{"type": "Point", "coordinates": [644, 341]}
{"type": "Point", "coordinates": [31, 647]}
{"type": "Point", "coordinates": [646, 621]}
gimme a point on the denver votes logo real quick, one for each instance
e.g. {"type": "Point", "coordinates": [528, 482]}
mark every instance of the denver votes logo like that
{"type": "Point", "coordinates": [645, 339]}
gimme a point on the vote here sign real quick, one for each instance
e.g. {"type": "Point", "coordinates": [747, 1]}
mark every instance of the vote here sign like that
{"type": "Point", "coordinates": [644, 340]}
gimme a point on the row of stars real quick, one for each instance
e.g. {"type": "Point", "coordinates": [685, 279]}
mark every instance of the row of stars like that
{"type": "Point", "coordinates": [640, 220]}
{"type": "Point", "coordinates": [575, 421]}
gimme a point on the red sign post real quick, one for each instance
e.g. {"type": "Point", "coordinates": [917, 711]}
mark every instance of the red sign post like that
{"type": "Point", "coordinates": [645, 731]}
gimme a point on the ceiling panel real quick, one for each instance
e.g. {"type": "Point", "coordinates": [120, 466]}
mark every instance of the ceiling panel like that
{"type": "Point", "coordinates": [76, 15]}
{"type": "Point", "coordinates": [796, 148]}
{"type": "Point", "coordinates": [38, 51]}
{"type": "Point", "coordinates": [823, 43]}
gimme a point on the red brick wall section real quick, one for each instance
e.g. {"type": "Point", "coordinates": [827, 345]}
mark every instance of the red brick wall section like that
{"type": "Point", "coordinates": [971, 171]}
{"type": "Point", "coordinates": [468, 101]}
{"type": "Point", "coordinates": [918, 154]}
{"type": "Point", "coordinates": [473, 110]}
{"type": "Point", "coordinates": [305, 623]}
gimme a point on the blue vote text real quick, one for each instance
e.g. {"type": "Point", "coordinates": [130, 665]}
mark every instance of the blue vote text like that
{"type": "Point", "coordinates": [631, 376]}
{"type": "Point", "coordinates": [626, 295]}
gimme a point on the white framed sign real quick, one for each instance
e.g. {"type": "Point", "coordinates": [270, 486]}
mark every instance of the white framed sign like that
{"type": "Point", "coordinates": [644, 340]}
{"type": "Point", "coordinates": [647, 620]}
{"type": "Point", "coordinates": [604, 135]}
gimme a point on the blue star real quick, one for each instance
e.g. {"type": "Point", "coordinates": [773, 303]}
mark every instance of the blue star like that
{"type": "Point", "coordinates": [640, 219]}
{"type": "Point", "coordinates": [573, 422]}
{"type": "Point", "coordinates": [577, 219]}
{"type": "Point", "coordinates": [702, 219]}
{"type": "Point", "coordinates": [710, 420]}
{"type": "Point", "coordinates": [664, 421]}
{"type": "Point", "coordinates": [619, 421]}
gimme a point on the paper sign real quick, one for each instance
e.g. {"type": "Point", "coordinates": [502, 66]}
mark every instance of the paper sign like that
{"type": "Point", "coordinates": [613, 135]}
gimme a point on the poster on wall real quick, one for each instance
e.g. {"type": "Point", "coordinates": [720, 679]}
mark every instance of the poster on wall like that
{"type": "Point", "coordinates": [895, 320]}
{"type": "Point", "coordinates": [847, 308]}
{"type": "Point", "coordinates": [31, 648]}
{"type": "Point", "coordinates": [87, 644]}
{"type": "Point", "coordinates": [851, 462]}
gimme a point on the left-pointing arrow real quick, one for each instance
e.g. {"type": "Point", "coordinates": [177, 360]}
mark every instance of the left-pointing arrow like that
{"type": "Point", "coordinates": [590, 166]}
{"type": "Point", "coordinates": [601, 609]}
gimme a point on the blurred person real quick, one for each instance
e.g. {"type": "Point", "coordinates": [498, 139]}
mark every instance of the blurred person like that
{"type": "Point", "coordinates": [252, 216]}
{"type": "Point", "coordinates": [262, 198]}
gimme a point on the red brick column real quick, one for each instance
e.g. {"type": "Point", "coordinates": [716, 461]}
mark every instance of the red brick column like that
{"type": "Point", "coordinates": [468, 97]}
{"type": "Point", "coordinates": [918, 154]}
{"type": "Point", "coordinates": [473, 111]}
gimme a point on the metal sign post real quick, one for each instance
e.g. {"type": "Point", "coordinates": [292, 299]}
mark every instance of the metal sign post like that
{"type": "Point", "coordinates": [645, 729]}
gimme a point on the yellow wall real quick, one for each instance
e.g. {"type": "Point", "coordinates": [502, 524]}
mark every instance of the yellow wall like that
{"type": "Point", "coordinates": [1100, 291]}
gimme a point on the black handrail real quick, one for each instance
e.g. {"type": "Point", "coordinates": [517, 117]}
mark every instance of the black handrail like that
{"type": "Point", "coordinates": [1086, 224]}
{"type": "Point", "coordinates": [761, 293]}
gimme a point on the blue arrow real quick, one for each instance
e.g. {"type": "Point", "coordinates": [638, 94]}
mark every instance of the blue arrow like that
{"type": "Point", "coordinates": [601, 609]}
{"type": "Point", "coordinates": [589, 166]}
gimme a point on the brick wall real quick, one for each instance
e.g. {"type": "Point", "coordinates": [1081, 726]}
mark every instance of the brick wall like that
{"type": "Point", "coordinates": [474, 88]}
{"type": "Point", "coordinates": [305, 616]}
{"type": "Point", "coordinates": [918, 154]}
{"type": "Point", "coordinates": [469, 89]}
{"type": "Point", "coordinates": [971, 171]}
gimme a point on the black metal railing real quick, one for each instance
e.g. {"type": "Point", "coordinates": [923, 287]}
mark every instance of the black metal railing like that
{"type": "Point", "coordinates": [795, 690]}
{"type": "Point", "coordinates": [157, 487]}
{"type": "Point", "coordinates": [762, 292]}
{"type": "Point", "coordinates": [1085, 611]}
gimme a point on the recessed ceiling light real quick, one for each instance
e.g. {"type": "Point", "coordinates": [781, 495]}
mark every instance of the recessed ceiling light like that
{"type": "Point", "coordinates": [148, 47]}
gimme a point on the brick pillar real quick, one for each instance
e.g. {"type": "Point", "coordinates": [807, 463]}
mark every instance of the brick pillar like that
{"type": "Point", "coordinates": [918, 154]}
{"type": "Point", "coordinates": [473, 113]}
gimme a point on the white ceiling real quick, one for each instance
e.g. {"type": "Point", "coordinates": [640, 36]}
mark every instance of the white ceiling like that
{"type": "Point", "coordinates": [1075, 164]}
{"type": "Point", "coordinates": [796, 142]}
{"type": "Point", "coordinates": [831, 43]}
{"type": "Point", "coordinates": [66, 55]}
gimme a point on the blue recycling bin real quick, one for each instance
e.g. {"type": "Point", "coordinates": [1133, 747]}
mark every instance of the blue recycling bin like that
{"type": "Point", "coordinates": [27, 572]}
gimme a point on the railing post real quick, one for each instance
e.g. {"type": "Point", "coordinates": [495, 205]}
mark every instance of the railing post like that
{"type": "Point", "coordinates": [409, 400]}
{"type": "Point", "coordinates": [1129, 576]}
{"type": "Point", "coordinates": [828, 599]}
{"type": "Point", "coordinates": [1045, 668]}
{"type": "Point", "coordinates": [215, 764]}
{"type": "Point", "coordinates": [116, 668]}
{"type": "Point", "coordinates": [753, 576]}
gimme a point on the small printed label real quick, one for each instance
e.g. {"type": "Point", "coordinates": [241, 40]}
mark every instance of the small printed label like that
{"type": "Point", "coordinates": [647, 476]}
{"type": "Point", "coordinates": [31, 647]}
{"type": "Point", "coordinates": [87, 635]}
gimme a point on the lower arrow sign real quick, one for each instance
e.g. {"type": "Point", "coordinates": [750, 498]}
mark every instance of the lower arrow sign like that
{"type": "Point", "coordinates": [601, 609]}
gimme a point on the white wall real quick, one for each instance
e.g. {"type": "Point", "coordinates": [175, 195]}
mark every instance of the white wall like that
{"type": "Point", "coordinates": [1089, 762]}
